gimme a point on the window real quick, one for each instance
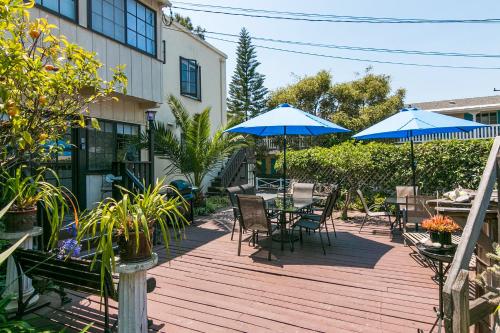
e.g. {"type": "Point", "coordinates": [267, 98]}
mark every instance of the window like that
{"type": "Point", "coordinates": [101, 146]}
{"type": "Point", "coordinates": [190, 78]}
{"type": "Point", "coordinates": [108, 18]}
{"type": "Point", "coordinates": [113, 142]}
{"type": "Point", "coordinates": [127, 21]}
{"type": "Point", "coordinates": [141, 27]}
{"type": "Point", "coordinates": [488, 118]}
{"type": "Point", "coordinates": [126, 142]}
{"type": "Point", "coordinates": [66, 8]}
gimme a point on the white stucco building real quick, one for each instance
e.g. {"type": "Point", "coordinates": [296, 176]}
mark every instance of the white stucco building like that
{"type": "Point", "coordinates": [195, 73]}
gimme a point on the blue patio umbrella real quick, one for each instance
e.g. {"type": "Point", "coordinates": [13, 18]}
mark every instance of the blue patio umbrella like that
{"type": "Point", "coordinates": [287, 120]}
{"type": "Point", "coordinates": [410, 122]}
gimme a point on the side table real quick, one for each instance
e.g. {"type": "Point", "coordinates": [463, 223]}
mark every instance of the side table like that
{"type": "Point", "coordinates": [11, 279]}
{"type": "Point", "coordinates": [440, 259]}
{"type": "Point", "coordinates": [132, 299]}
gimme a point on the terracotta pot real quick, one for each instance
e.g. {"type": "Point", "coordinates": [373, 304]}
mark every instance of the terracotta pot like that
{"type": "Point", "coordinates": [19, 220]}
{"type": "Point", "coordinates": [130, 252]}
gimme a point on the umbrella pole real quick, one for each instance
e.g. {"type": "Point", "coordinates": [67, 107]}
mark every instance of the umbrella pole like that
{"type": "Point", "coordinates": [284, 164]}
{"type": "Point", "coordinates": [413, 169]}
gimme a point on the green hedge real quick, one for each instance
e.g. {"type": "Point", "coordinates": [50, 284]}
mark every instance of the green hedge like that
{"type": "Point", "coordinates": [379, 167]}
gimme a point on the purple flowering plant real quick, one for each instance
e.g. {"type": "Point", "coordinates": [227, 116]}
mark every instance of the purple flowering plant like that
{"type": "Point", "coordinates": [69, 247]}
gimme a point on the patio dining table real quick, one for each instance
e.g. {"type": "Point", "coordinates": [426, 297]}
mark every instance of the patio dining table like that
{"type": "Point", "coordinates": [275, 205]}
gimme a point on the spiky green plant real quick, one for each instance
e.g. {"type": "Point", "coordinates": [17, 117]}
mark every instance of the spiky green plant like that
{"type": "Point", "coordinates": [134, 213]}
{"type": "Point", "coordinates": [194, 152]}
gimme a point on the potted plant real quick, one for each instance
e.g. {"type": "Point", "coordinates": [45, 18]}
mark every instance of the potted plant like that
{"type": "Point", "coordinates": [26, 191]}
{"type": "Point", "coordinates": [440, 228]}
{"type": "Point", "coordinates": [130, 223]}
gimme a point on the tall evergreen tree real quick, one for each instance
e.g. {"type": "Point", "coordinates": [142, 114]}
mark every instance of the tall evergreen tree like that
{"type": "Point", "coordinates": [247, 94]}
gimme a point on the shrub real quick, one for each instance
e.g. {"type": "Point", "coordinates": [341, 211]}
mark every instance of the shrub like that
{"type": "Point", "coordinates": [377, 168]}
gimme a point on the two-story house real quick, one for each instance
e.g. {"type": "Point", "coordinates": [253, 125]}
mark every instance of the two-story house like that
{"type": "Point", "coordinates": [195, 73]}
{"type": "Point", "coordinates": [120, 32]}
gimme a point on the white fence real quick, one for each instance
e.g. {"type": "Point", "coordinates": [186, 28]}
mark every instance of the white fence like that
{"type": "Point", "coordinates": [489, 132]}
{"type": "Point", "coordinates": [272, 184]}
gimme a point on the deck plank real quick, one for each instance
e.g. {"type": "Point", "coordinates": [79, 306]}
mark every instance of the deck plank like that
{"type": "Point", "coordinates": [367, 282]}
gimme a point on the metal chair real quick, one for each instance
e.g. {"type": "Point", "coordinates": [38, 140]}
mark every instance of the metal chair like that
{"type": "Point", "coordinates": [310, 223]}
{"type": "Point", "coordinates": [316, 217]}
{"type": "Point", "coordinates": [253, 217]}
{"type": "Point", "coordinates": [368, 210]}
{"type": "Point", "coordinates": [232, 192]}
{"type": "Point", "coordinates": [248, 189]}
{"type": "Point", "coordinates": [302, 190]}
{"type": "Point", "coordinates": [416, 210]}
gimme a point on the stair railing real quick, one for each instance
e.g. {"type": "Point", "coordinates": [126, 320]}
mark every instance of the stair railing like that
{"type": "Point", "coordinates": [459, 314]}
{"type": "Point", "coordinates": [233, 166]}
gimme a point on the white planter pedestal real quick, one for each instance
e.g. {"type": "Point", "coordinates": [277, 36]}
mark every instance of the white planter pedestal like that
{"type": "Point", "coordinates": [11, 280]}
{"type": "Point", "coordinates": [132, 298]}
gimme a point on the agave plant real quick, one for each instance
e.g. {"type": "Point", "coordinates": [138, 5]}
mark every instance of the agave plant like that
{"type": "Point", "coordinates": [193, 153]}
{"type": "Point", "coordinates": [134, 215]}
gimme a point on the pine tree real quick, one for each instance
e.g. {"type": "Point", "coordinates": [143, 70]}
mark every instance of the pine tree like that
{"type": "Point", "coordinates": [247, 94]}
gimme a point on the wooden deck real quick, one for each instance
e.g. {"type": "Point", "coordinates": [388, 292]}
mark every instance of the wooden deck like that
{"type": "Point", "coordinates": [367, 282]}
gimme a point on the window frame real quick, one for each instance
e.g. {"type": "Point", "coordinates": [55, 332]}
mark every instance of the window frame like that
{"type": "Point", "coordinates": [489, 115]}
{"type": "Point", "coordinates": [125, 43]}
{"type": "Point", "coordinates": [197, 96]}
{"type": "Point", "coordinates": [114, 125]}
{"type": "Point", "coordinates": [53, 12]}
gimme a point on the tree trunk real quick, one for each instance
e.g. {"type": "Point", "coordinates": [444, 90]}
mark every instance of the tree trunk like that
{"type": "Point", "coordinates": [347, 202]}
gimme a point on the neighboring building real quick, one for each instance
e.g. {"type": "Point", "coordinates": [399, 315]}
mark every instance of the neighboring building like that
{"type": "Point", "coordinates": [484, 110]}
{"type": "Point", "coordinates": [120, 32]}
{"type": "Point", "coordinates": [195, 73]}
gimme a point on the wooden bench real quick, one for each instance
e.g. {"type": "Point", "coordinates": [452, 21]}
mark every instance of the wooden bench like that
{"type": "Point", "coordinates": [71, 273]}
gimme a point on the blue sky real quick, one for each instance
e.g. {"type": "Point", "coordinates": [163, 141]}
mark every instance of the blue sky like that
{"type": "Point", "coordinates": [422, 84]}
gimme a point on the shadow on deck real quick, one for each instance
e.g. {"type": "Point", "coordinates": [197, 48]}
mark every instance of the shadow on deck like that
{"type": "Point", "coordinates": [367, 282]}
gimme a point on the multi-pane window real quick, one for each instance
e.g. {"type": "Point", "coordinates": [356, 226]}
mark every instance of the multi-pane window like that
{"type": "Point", "coordinates": [113, 142]}
{"type": "Point", "coordinates": [488, 118]}
{"type": "Point", "coordinates": [190, 78]}
{"type": "Point", "coordinates": [108, 18]}
{"type": "Point", "coordinates": [127, 148]}
{"type": "Point", "coordinates": [66, 8]}
{"type": "Point", "coordinates": [140, 27]}
{"type": "Point", "coordinates": [101, 146]}
{"type": "Point", "coordinates": [127, 21]}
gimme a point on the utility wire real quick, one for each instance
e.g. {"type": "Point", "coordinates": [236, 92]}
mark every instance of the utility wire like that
{"type": "Point", "coordinates": [367, 49]}
{"type": "Point", "coordinates": [315, 17]}
{"type": "Point", "coordinates": [360, 59]}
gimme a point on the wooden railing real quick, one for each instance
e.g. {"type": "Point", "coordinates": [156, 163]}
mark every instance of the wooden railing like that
{"type": "Point", "coordinates": [233, 166]}
{"type": "Point", "coordinates": [460, 314]}
{"type": "Point", "coordinates": [492, 131]}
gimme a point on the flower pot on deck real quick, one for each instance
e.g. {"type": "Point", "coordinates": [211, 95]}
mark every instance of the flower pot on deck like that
{"type": "Point", "coordinates": [444, 238]}
{"type": "Point", "coordinates": [20, 220]}
{"type": "Point", "coordinates": [131, 251]}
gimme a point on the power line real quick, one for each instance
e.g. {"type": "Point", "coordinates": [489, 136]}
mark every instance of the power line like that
{"type": "Point", "coordinates": [367, 49]}
{"type": "Point", "coordinates": [360, 59]}
{"type": "Point", "coordinates": [315, 17]}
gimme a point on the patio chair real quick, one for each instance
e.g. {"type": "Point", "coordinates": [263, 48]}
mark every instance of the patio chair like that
{"type": "Point", "coordinates": [329, 208]}
{"type": "Point", "coordinates": [312, 222]}
{"type": "Point", "coordinates": [369, 213]}
{"type": "Point", "coordinates": [248, 189]}
{"type": "Point", "coordinates": [302, 190]}
{"type": "Point", "coordinates": [416, 210]}
{"type": "Point", "coordinates": [405, 191]}
{"type": "Point", "coordinates": [232, 191]}
{"type": "Point", "coordinates": [253, 217]}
